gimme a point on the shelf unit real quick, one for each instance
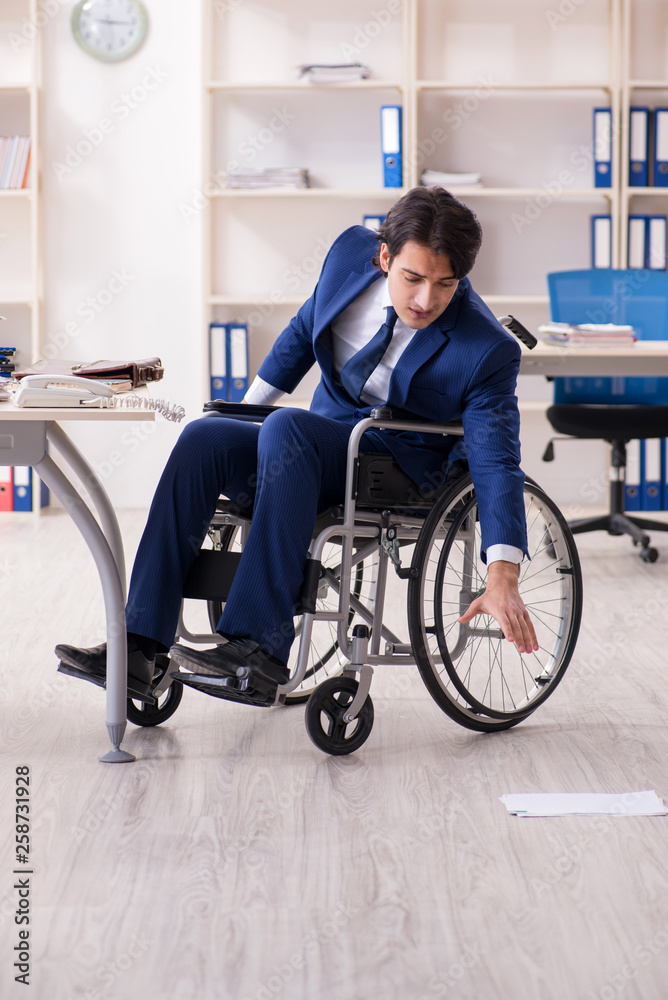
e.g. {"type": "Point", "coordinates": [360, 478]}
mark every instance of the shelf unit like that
{"type": "Point", "coordinates": [645, 33]}
{"type": "Point", "coordinates": [20, 210]}
{"type": "Point", "coordinates": [483, 86]}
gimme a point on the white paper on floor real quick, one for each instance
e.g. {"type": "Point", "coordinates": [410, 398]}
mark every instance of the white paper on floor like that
{"type": "Point", "coordinates": [584, 804]}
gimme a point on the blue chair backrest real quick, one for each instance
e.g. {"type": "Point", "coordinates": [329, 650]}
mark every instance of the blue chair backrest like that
{"type": "Point", "coordinates": [604, 295]}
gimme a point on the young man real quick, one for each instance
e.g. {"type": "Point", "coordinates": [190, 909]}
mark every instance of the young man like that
{"type": "Point", "coordinates": [393, 319]}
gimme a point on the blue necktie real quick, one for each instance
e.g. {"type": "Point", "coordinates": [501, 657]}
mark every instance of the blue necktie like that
{"type": "Point", "coordinates": [357, 369]}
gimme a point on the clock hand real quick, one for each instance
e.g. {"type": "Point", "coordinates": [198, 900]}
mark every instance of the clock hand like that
{"type": "Point", "coordinates": [107, 20]}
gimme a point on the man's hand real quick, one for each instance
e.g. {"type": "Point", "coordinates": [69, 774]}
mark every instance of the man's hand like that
{"type": "Point", "coordinates": [502, 601]}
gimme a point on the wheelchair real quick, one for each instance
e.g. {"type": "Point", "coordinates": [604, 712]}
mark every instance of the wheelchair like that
{"type": "Point", "coordinates": [433, 542]}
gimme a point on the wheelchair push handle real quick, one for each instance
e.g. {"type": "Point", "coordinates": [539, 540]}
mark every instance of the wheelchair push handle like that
{"type": "Point", "coordinates": [520, 331]}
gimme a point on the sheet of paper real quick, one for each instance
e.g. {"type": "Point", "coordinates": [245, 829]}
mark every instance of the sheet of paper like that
{"type": "Point", "coordinates": [584, 804]}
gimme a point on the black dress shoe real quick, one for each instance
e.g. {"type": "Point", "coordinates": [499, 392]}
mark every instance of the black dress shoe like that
{"type": "Point", "coordinates": [238, 670]}
{"type": "Point", "coordinates": [91, 665]}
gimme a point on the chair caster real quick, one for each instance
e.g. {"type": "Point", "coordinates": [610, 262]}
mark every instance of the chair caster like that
{"type": "Point", "coordinates": [649, 554]}
{"type": "Point", "coordinates": [142, 714]}
{"type": "Point", "coordinates": [325, 721]}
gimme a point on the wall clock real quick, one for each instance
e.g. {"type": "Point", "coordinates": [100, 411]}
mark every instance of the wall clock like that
{"type": "Point", "coordinates": [109, 29]}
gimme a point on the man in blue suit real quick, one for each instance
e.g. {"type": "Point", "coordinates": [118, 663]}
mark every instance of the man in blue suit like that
{"type": "Point", "coordinates": [393, 319]}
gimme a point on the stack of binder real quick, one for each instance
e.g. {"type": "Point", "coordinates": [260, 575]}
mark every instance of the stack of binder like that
{"type": "Point", "coordinates": [228, 361]}
{"type": "Point", "coordinates": [646, 487]}
{"type": "Point", "coordinates": [648, 242]}
{"type": "Point", "coordinates": [334, 72]}
{"type": "Point", "coordinates": [16, 488]}
{"type": "Point", "coordinates": [14, 162]}
{"type": "Point", "coordinates": [648, 147]}
{"type": "Point", "coordinates": [292, 178]}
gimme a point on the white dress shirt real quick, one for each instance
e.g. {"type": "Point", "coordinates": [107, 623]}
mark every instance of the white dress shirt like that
{"type": "Point", "coordinates": [352, 329]}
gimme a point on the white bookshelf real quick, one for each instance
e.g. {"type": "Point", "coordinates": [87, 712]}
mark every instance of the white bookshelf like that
{"type": "Point", "coordinates": [535, 85]}
{"type": "Point", "coordinates": [20, 210]}
{"type": "Point", "coordinates": [644, 83]}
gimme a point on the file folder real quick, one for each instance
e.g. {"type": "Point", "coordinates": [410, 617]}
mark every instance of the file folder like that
{"type": "Point", "coordinates": [639, 148]}
{"type": "Point", "coordinates": [22, 487]}
{"type": "Point", "coordinates": [601, 241]}
{"type": "Point", "coordinates": [632, 478]}
{"type": "Point", "coordinates": [637, 249]}
{"type": "Point", "coordinates": [660, 157]}
{"type": "Point", "coordinates": [218, 361]}
{"type": "Point", "coordinates": [602, 147]}
{"type": "Point", "coordinates": [657, 242]}
{"type": "Point", "coordinates": [651, 478]}
{"type": "Point", "coordinates": [6, 489]}
{"type": "Point", "coordinates": [237, 361]}
{"type": "Point", "coordinates": [390, 144]}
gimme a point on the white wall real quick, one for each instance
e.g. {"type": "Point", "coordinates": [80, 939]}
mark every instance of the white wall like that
{"type": "Point", "coordinates": [121, 154]}
{"type": "Point", "coordinates": [113, 232]}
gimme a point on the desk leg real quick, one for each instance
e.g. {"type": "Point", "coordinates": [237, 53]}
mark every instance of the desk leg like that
{"type": "Point", "coordinates": [59, 439]}
{"type": "Point", "coordinates": [114, 602]}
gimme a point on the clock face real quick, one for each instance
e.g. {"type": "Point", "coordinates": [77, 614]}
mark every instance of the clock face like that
{"type": "Point", "coordinates": [109, 29]}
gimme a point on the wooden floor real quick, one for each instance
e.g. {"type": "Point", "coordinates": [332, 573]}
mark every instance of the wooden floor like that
{"type": "Point", "coordinates": [235, 861]}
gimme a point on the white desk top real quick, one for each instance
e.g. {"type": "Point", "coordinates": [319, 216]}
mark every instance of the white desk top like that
{"type": "Point", "coordinates": [644, 358]}
{"type": "Point", "coordinates": [9, 411]}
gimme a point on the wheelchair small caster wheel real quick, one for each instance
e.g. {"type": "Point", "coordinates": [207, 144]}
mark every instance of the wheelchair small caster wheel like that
{"type": "Point", "coordinates": [649, 554]}
{"type": "Point", "coordinates": [325, 722]}
{"type": "Point", "coordinates": [143, 714]}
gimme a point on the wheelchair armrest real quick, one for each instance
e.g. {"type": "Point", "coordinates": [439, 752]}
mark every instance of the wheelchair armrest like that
{"type": "Point", "coordinates": [254, 412]}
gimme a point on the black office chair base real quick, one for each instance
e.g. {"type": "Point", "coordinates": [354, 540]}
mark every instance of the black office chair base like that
{"type": "Point", "coordinates": [620, 524]}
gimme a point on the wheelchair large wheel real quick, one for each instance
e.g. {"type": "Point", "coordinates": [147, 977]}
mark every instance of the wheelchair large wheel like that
{"type": "Point", "coordinates": [325, 657]}
{"type": "Point", "coordinates": [475, 675]}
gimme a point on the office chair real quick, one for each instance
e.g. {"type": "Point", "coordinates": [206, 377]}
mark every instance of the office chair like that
{"type": "Point", "coordinates": [616, 410]}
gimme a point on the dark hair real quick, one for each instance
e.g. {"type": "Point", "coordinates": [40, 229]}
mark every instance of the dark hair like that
{"type": "Point", "coordinates": [435, 219]}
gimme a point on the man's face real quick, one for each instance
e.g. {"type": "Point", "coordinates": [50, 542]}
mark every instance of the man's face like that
{"type": "Point", "coordinates": [420, 282]}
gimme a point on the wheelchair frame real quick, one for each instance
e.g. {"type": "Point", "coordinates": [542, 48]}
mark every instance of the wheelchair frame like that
{"type": "Point", "coordinates": [339, 713]}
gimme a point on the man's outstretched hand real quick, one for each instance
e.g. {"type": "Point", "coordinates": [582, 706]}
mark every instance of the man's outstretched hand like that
{"type": "Point", "coordinates": [502, 601]}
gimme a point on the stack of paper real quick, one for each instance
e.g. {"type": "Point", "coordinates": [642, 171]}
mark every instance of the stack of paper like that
{"type": "Point", "coordinates": [585, 804]}
{"type": "Point", "coordinates": [588, 334]}
{"type": "Point", "coordinates": [271, 177]}
{"type": "Point", "coordinates": [438, 178]}
{"type": "Point", "coordinates": [334, 72]}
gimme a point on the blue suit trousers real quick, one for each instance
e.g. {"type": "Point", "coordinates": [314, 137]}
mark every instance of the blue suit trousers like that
{"type": "Point", "coordinates": [287, 470]}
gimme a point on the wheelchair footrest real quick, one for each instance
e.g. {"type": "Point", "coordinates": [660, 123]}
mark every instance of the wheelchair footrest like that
{"type": "Point", "coordinates": [257, 691]}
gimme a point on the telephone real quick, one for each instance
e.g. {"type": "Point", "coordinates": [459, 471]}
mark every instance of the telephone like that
{"type": "Point", "coordinates": [61, 390]}
{"type": "Point", "coordinates": [73, 390]}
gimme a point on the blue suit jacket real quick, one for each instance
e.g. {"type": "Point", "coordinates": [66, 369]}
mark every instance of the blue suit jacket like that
{"type": "Point", "coordinates": [462, 367]}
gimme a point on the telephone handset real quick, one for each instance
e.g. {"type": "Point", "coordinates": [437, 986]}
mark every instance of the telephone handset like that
{"type": "Point", "coordinates": [61, 390]}
{"type": "Point", "coordinates": [74, 390]}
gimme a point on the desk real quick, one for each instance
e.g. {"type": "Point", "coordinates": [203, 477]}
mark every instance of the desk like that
{"type": "Point", "coordinates": [644, 358]}
{"type": "Point", "coordinates": [24, 433]}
